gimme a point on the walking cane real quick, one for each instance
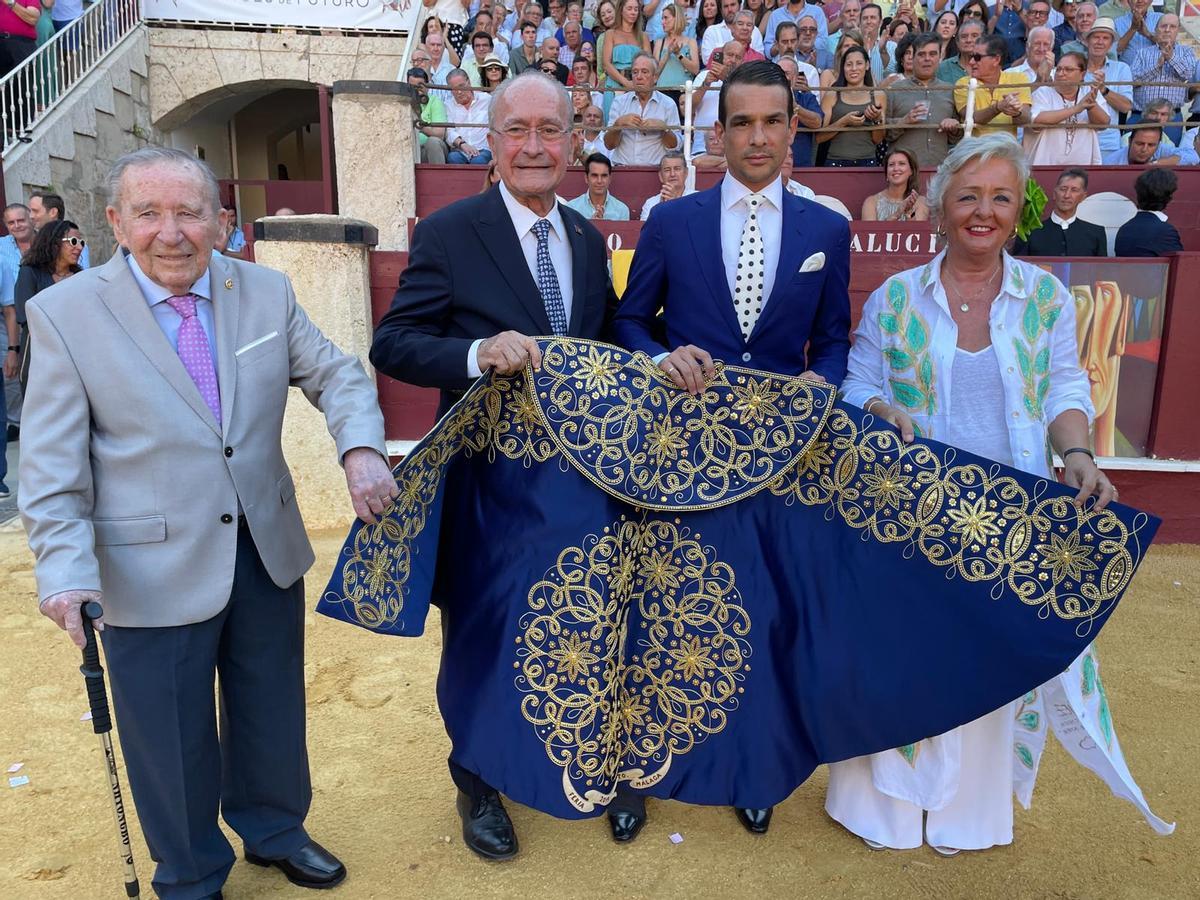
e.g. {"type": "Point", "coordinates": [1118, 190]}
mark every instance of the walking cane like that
{"type": "Point", "coordinates": [93, 674]}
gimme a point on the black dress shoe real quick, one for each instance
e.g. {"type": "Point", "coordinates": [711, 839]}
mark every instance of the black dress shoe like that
{"type": "Point", "coordinates": [755, 821]}
{"type": "Point", "coordinates": [487, 829]}
{"type": "Point", "coordinates": [625, 825]}
{"type": "Point", "coordinates": [312, 866]}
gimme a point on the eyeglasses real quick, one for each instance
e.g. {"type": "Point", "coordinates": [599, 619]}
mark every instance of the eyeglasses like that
{"type": "Point", "coordinates": [807, 30]}
{"type": "Point", "coordinates": [75, 242]}
{"type": "Point", "coordinates": [1039, 13]}
{"type": "Point", "coordinates": [979, 57]}
{"type": "Point", "coordinates": [972, 14]}
{"type": "Point", "coordinates": [519, 134]}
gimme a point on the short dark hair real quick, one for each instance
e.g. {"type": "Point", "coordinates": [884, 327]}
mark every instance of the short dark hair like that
{"type": "Point", "coordinates": [1154, 188]}
{"type": "Point", "coordinates": [1081, 174]}
{"type": "Point", "coordinates": [921, 39]}
{"type": "Point", "coordinates": [483, 34]}
{"type": "Point", "coordinates": [1157, 129]}
{"type": "Point", "coordinates": [418, 72]}
{"type": "Point", "coordinates": [993, 45]}
{"type": "Point", "coordinates": [909, 42]}
{"type": "Point", "coordinates": [784, 26]}
{"type": "Point", "coordinates": [43, 252]}
{"type": "Point", "coordinates": [760, 72]}
{"type": "Point", "coordinates": [51, 202]}
{"type": "Point", "coordinates": [597, 158]}
{"type": "Point", "coordinates": [867, 6]}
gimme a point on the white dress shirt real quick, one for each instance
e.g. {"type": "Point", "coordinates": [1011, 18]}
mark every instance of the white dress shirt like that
{"type": "Point", "coordinates": [719, 35]}
{"type": "Point", "coordinates": [643, 148]}
{"type": "Point", "coordinates": [652, 202]}
{"type": "Point", "coordinates": [470, 122]}
{"type": "Point", "coordinates": [523, 219]}
{"type": "Point", "coordinates": [734, 212]}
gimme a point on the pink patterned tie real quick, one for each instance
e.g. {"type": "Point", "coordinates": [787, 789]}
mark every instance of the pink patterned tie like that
{"type": "Point", "coordinates": [195, 352]}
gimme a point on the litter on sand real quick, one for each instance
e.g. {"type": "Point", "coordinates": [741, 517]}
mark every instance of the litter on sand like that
{"type": "Point", "coordinates": [86, 717]}
{"type": "Point", "coordinates": [15, 767]}
{"type": "Point", "coordinates": [18, 780]}
{"type": "Point", "coordinates": [677, 838]}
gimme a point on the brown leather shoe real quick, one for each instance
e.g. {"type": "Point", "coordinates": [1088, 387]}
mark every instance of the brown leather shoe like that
{"type": "Point", "coordinates": [312, 866]}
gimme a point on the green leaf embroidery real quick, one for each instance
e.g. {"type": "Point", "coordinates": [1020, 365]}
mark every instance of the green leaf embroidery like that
{"type": "Point", "coordinates": [1045, 290]}
{"type": "Point", "coordinates": [889, 323]}
{"type": "Point", "coordinates": [925, 373]}
{"type": "Point", "coordinates": [1031, 322]}
{"type": "Point", "coordinates": [1030, 697]}
{"type": "Point", "coordinates": [1023, 361]}
{"type": "Point", "coordinates": [909, 752]}
{"type": "Point", "coordinates": [1041, 365]}
{"type": "Point", "coordinates": [1028, 720]}
{"type": "Point", "coordinates": [1105, 714]}
{"type": "Point", "coordinates": [1043, 389]}
{"type": "Point", "coordinates": [1031, 407]}
{"type": "Point", "coordinates": [1088, 683]}
{"type": "Point", "coordinates": [915, 334]}
{"type": "Point", "coordinates": [907, 393]}
{"type": "Point", "coordinates": [1050, 316]}
{"type": "Point", "coordinates": [1025, 755]}
{"type": "Point", "coordinates": [897, 295]}
{"type": "Point", "coordinates": [898, 359]}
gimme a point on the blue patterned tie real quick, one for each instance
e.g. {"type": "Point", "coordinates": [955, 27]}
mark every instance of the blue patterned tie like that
{"type": "Point", "coordinates": [548, 280]}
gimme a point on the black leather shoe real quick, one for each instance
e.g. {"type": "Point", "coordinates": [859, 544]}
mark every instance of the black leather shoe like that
{"type": "Point", "coordinates": [487, 829]}
{"type": "Point", "coordinates": [625, 825]}
{"type": "Point", "coordinates": [312, 866]}
{"type": "Point", "coordinates": [755, 821]}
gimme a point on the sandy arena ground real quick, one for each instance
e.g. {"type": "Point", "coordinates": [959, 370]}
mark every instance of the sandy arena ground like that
{"type": "Point", "coordinates": [383, 800]}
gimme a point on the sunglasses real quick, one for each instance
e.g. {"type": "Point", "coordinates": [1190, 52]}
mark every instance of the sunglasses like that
{"type": "Point", "coordinates": [75, 242]}
{"type": "Point", "coordinates": [979, 57]}
{"type": "Point", "coordinates": [972, 14]}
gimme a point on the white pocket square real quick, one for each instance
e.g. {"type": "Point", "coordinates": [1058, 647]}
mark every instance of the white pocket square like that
{"type": "Point", "coordinates": [253, 344]}
{"type": "Point", "coordinates": [814, 263]}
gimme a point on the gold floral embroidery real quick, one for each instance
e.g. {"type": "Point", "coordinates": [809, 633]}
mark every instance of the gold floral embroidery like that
{"type": "Point", "coordinates": [615, 705]}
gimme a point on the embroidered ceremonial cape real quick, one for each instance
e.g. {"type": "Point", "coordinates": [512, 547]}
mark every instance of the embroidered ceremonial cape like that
{"type": "Point", "coordinates": [708, 596]}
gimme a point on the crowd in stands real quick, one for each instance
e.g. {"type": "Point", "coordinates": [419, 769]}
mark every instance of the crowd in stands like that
{"type": "Point", "coordinates": [1069, 79]}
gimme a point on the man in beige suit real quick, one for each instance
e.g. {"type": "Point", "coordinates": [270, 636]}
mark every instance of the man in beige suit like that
{"type": "Point", "coordinates": [152, 478]}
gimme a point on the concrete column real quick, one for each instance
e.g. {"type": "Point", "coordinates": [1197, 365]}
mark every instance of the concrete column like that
{"type": "Point", "coordinates": [374, 153]}
{"type": "Point", "coordinates": [328, 261]}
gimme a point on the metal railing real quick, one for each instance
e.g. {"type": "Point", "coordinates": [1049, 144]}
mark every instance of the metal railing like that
{"type": "Point", "coordinates": [30, 91]}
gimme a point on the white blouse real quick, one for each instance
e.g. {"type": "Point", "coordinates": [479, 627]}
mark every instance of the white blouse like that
{"type": "Point", "coordinates": [905, 346]}
{"type": "Point", "coordinates": [1069, 143]}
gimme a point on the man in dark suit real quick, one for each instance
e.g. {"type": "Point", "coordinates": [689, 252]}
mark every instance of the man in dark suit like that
{"type": "Point", "coordinates": [743, 272]}
{"type": "Point", "coordinates": [1062, 233]}
{"type": "Point", "coordinates": [1149, 233]}
{"type": "Point", "coordinates": [483, 275]}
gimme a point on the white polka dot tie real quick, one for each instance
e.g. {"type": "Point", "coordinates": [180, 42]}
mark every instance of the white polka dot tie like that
{"type": "Point", "coordinates": [195, 353]}
{"type": "Point", "coordinates": [748, 282]}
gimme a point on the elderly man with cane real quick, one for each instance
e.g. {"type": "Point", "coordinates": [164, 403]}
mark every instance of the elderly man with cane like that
{"type": "Point", "coordinates": [152, 475]}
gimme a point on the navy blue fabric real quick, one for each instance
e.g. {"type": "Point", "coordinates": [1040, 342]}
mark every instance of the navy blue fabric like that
{"type": "Point", "coordinates": [1147, 235]}
{"type": "Point", "coordinates": [180, 773]}
{"type": "Point", "coordinates": [716, 650]}
{"type": "Point", "coordinates": [678, 269]}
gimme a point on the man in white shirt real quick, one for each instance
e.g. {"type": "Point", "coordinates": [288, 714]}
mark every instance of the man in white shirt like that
{"type": "Point", "coordinates": [590, 138]}
{"type": "Point", "coordinates": [672, 174]}
{"type": "Point", "coordinates": [440, 66]}
{"type": "Point", "coordinates": [550, 24]}
{"type": "Point", "coordinates": [722, 33]}
{"type": "Point", "coordinates": [468, 111]}
{"type": "Point", "coordinates": [705, 100]}
{"type": "Point", "coordinates": [1111, 76]}
{"type": "Point", "coordinates": [792, 12]}
{"type": "Point", "coordinates": [641, 122]}
{"type": "Point", "coordinates": [1038, 64]}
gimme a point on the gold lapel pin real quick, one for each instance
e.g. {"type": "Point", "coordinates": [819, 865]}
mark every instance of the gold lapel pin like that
{"type": "Point", "coordinates": [229, 284]}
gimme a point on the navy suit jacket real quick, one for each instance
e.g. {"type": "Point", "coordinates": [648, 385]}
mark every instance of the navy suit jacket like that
{"type": "Point", "coordinates": [467, 279]}
{"type": "Point", "coordinates": [1147, 235]}
{"type": "Point", "coordinates": [677, 268]}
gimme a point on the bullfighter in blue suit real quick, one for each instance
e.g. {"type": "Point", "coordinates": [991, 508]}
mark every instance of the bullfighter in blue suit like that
{"type": "Point", "coordinates": [744, 273]}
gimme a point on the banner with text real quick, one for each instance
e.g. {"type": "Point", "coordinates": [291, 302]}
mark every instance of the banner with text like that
{"type": "Point", "coordinates": [374, 15]}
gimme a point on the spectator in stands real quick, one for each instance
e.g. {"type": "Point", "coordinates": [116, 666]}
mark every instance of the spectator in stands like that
{"type": "Point", "coordinates": [672, 175]}
{"type": "Point", "coordinates": [18, 32]}
{"type": "Point", "coordinates": [571, 43]}
{"type": "Point", "coordinates": [1149, 233]}
{"type": "Point", "coordinates": [485, 24]}
{"type": "Point", "coordinates": [231, 243]}
{"type": "Point", "coordinates": [596, 202]}
{"type": "Point", "coordinates": [677, 54]}
{"type": "Point", "coordinates": [548, 61]}
{"type": "Point", "coordinates": [575, 14]}
{"type": "Point", "coordinates": [525, 55]}
{"type": "Point", "coordinates": [1086, 15]}
{"type": "Point", "coordinates": [709, 15]}
{"type": "Point", "coordinates": [848, 21]}
{"type": "Point", "coordinates": [583, 75]}
{"type": "Point", "coordinates": [1063, 233]}
{"type": "Point", "coordinates": [1145, 149]}
{"type": "Point", "coordinates": [1065, 32]}
{"type": "Point", "coordinates": [493, 72]}
{"type": "Point", "coordinates": [856, 107]}
{"type": "Point", "coordinates": [1136, 30]}
{"type": "Point", "coordinates": [851, 37]}
{"type": "Point", "coordinates": [1111, 77]}
{"type": "Point", "coordinates": [1003, 99]}
{"type": "Point", "coordinates": [468, 114]}
{"type": "Point", "coordinates": [903, 56]}
{"type": "Point", "coordinates": [13, 246]}
{"type": "Point", "coordinates": [481, 48]}
{"type": "Point", "coordinates": [952, 68]}
{"type": "Point", "coordinates": [900, 200]}
{"type": "Point", "coordinates": [809, 48]}
{"type": "Point", "coordinates": [896, 32]}
{"type": "Point", "coordinates": [705, 99]}
{"type": "Point", "coordinates": [432, 138]}
{"type": "Point", "coordinates": [1164, 61]}
{"type": "Point", "coordinates": [870, 22]}
{"type": "Point", "coordinates": [1038, 64]}
{"type": "Point", "coordinates": [642, 122]}
{"type": "Point", "coordinates": [1008, 21]}
{"type": "Point", "coordinates": [590, 138]}
{"type": "Point", "coordinates": [790, 184]}
{"type": "Point", "coordinates": [946, 28]}
{"type": "Point", "coordinates": [1061, 113]}
{"type": "Point", "coordinates": [434, 24]}
{"type": "Point", "coordinates": [46, 207]}
{"type": "Point", "coordinates": [718, 35]}
{"type": "Point", "coordinates": [713, 156]}
{"type": "Point", "coordinates": [935, 103]}
{"type": "Point", "coordinates": [786, 39]}
{"type": "Point", "coordinates": [621, 44]}
{"type": "Point", "coordinates": [809, 115]}
{"type": "Point", "coordinates": [440, 63]}
{"type": "Point", "coordinates": [743, 32]}
{"type": "Point", "coordinates": [550, 25]}
{"type": "Point", "coordinates": [1159, 112]}
{"type": "Point", "coordinates": [53, 256]}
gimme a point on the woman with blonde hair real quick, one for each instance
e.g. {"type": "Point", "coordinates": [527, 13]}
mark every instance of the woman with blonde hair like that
{"type": "Point", "coordinates": [621, 44]}
{"type": "Point", "coordinates": [677, 54]}
{"type": "Point", "coordinates": [978, 350]}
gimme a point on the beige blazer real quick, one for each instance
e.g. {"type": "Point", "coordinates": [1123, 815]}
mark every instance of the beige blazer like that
{"type": "Point", "coordinates": [128, 484]}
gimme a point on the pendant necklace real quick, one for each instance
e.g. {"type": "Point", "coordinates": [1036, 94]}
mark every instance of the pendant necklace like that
{"type": "Point", "coordinates": [965, 306]}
